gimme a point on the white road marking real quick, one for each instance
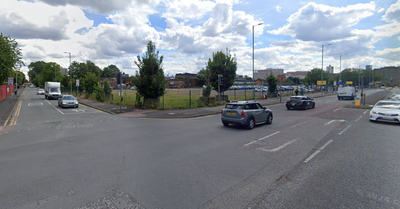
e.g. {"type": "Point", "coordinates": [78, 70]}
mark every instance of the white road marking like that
{"type": "Point", "coordinates": [280, 147]}
{"type": "Point", "coordinates": [365, 111]}
{"type": "Point", "coordinates": [337, 109]}
{"type": "Point", "coordinates": [298, 124]}
{"type": "Point", "coordinates": [261, 138]}
{"type": "Point", "coordinates": [54, 107]}
{"type": "Point", "coordinates": [344, 130]}
{"type": "Point", "coordinates": [358, 118]}
{"type": "Point", "coordinates": [318, 151]}
{"type": "Point", "coordinates": [327, 123]}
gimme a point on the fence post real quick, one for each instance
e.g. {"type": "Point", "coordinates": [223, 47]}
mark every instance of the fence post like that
{"type": "Point", "coordinates": [190, 98]}
{"type": "Point", "coordinates": [245, 95]}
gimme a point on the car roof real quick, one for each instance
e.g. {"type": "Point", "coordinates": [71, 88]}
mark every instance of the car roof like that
{"type": "Point", "coordinates": [241, 102]}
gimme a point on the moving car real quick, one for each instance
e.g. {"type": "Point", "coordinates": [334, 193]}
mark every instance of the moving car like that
{"type": "Point", "coordinates": [245, 113]}
{"type": "Point", "coordinates": [40, 92]}
{"type": "Point", "coordinates": [385, 110]}
{"type": "Point", "coordinates": [300, 102]}
{"type": "Point", "coordinates": [68, 101]}
{"type": "Point", "coordinates": [395, 97]}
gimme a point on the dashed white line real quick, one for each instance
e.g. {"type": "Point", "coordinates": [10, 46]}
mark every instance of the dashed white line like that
{"type": "Point", "coordinates": [318, 151]}
{"type": "Point", "coordinates": [54, 107]}
{"type": "Point", "coordinates": [280, 147]}
{"type": "Point", "coordinates": [358, 118]}
{"type": "Point", "coordinates": [261, 138]}
{"type": "Point", "coordinates": [344, 130]}
{"type": "Point", "coordinates": [327, 123]}
{"type": "Point", "coordinates": [365, 112]}
{"type": "Point", "coordinates": [337, 109]}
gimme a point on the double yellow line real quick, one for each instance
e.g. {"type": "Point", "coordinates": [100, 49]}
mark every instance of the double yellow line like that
{"type": "Point", "coordinates": [15, 114]}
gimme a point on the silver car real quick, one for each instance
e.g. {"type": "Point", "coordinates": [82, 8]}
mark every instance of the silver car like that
{"type": "Point", "coordinates": [245, 113]}
{"type": "Point", "coordinates": [68, 101]}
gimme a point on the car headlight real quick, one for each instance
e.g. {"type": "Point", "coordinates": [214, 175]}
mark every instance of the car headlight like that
{"type": "Point", "coordinates": [374, 112]}
{"type": "Point", "coordinates": [64, 103]}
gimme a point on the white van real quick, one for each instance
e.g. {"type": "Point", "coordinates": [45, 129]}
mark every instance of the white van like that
{"type": "Point", "coordinates": [347, 92]}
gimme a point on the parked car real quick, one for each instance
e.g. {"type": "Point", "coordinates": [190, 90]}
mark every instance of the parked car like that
{"type": "Point", "coordinates": [300, 102]}
{"type": "Point", "coordinates": [395, 97]}
{"type": "Point", "coordinates": [68, 101]}
{"type": "Point", "coordinates": [385, 110]}
{"type": "Point", "coordinates": [40, 92]}
{"type": "Point", "coordinates": [245, 113]}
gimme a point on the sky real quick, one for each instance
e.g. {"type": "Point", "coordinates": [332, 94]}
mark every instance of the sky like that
{"type": "Point", "coordinates": [288, 34]}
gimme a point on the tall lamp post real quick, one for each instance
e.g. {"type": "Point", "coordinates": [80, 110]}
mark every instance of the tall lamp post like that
{"type": "Point", "coordinates": [253, 61]}
{"type": "Point", "coordinates": [340, 74]}
{"type": "Point", "coordinates": [70, 75]}
{"type": "Point", "coordinates": [322, 68]}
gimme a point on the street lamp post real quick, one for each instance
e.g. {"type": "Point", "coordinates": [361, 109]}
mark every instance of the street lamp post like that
{"type": "Point", "coordinates": [70, 75]}
{"type": "Point", "coordinates": [253, 61]}
{"type": "Point", "coordinates": [322, 68]}
{"type": "Point", "coordinates": [340, 74]}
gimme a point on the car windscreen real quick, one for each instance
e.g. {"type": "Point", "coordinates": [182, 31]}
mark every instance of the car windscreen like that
{"type": "Point", "coordinates": [388, 105]}
{"type": "Point", "coordinates": [295, 98]}
{"type": "Point", "coordinates": [53, 90]}
{"type": "Point", "coordinates": [68, 98]}
{"type": "Point", "coordinates": [233, 106]}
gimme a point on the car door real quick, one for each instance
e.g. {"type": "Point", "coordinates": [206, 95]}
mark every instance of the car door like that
{"type": "Point", "coordinates": [257, 112]}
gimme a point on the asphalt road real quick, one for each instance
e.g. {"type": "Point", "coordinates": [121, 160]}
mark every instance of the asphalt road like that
{"type": "Point", "coordinates": [83, 158]}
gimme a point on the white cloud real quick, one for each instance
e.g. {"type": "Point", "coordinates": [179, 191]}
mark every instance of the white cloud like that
{"type": "Point", "coordinates": [393, 13]}
{"type": "Point", "coordinates": [185, 10]}
{"type": "Point", "coordinates": [317, 22]}
{"type": "Point", "coordinates": [278, 8]}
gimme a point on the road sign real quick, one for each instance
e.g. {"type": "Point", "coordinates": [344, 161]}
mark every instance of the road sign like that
{"type": "Point", "coordinates": [10, 81]}
{"type": "Point", "coordinates": [349, 82]}
{"type": "Point", "coordinates": [77, 82]}
{"type": "Point", "coordinates": [358, 101]}
{"type": "Point", "coordinates": [340, 82]}
{"type": "Point", "coordinates": [319, 83]}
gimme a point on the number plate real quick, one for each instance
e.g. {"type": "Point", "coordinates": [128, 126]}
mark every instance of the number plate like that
{"type": "Point", "coordinates": [231, 113]}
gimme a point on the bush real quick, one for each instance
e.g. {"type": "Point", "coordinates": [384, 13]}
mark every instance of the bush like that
{"type": "Point", "coordinates": [99, 94]}
{"type": "Point", "coordinates": [207, 91]}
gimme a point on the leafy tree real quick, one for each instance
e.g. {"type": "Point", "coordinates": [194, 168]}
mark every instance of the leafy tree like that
{"type": "Point", "coordinates": [272, 82]}
{"type": "Point", "coordinates": [21, 77]}
{"type": "Point", "coordinates": [90, 83]}
{"type": "Point", "coordinates": [35, 68]}
{"type": "Point", "coordinates": [92, 68]}
{"type": "Point", "coordinates": [150, 80]}
{"type": "Point", "coordinates": [203, 77]}
{"type": "Point", "coordinates": [50, 71]}
{"type": "Point", "coordinates": [65, 81]}
{"type": "Point", "coordinates": [107, 89]}
{"type": "Point", "coordinates": [10, 55]}
{"type": "Point", "coordinates": [315, 75]}
{"type": "Point", "coordinates": [225, 65]}
{"type": "Point", "coordinates": [110, 71]}
{"type": "Point", "coordinates": [78, 70]}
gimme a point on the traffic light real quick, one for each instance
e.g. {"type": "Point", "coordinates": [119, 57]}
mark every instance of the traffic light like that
{"type": "Point", "coordinates": [220, 80]}
{"type": "Point", "coordinates": [119, 78]}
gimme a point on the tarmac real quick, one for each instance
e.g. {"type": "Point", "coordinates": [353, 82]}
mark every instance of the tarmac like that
{"type": "Point", "coordinates": [7, 106]}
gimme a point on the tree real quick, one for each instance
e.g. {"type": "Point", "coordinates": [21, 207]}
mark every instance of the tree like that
{"type": "Point", "coordinates": [78, 70]}
{"type": "Point", "coordinates": [107, 89]}
{"type": "Point", "coordinates": [92, 68]}
{"type": "Point", "coordinates": [35, 68]}
{"type": "Point", "coordinates": [50, 72]}
{"type": "Point", "coordinates": [10, 55]}
{"type": "Point", "coordinates": [90, 83]}
{"type": "Point", "coordinates": [315, 75]}
{"type": "Point", "coordinates": [150, 80]}
{"type": "Point", "coordinates": [225, 65]}
{"type": "Point", "coordinates": [109, 71]}
{"type": "Point", "coordinates": [272, 81]}
{"type": "Point", "coordinates": [203, 77]}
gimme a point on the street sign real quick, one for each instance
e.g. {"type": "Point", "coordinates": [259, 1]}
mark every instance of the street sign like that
{"type": "Point", "coordinates": [340, 82]}
{"type": "Point", "coordinates": [77, 82]}
{"type": "Point", "coordinates": [319, 83]}
{"type": "Point", "coordinates": [10, 81]}
{"type": "Point", "coordinates": [349, 82]}
{"type": "Point", "coordinates": [358, 101]}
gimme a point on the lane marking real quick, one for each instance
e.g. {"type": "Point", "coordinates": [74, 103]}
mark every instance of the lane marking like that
{"type": "Point", "coordinates": [298, 124]}
{"type": "Point", "coordinates": [16, 114]}
{"type": "Point", "coordinates": [337, 109]}
{"type": "Point", "coordinates": [54, 107]}
{"type": "Point", "coordinates": [365, 112]}
{"type": "Point", "coordinates": [261, 138]}
{"type": "Point", "coordinates": [344, 129]}
{"type": "Point", "coordinates": [358, 118]}
{"type": "Point", "coordinates": [327, 123]}
{"type": "Point", "coordinates": [280, 147]}
{"type": "Point", "coordinates": [318, 151]}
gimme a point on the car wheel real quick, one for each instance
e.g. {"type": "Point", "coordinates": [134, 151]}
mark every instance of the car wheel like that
{"type": "Point", "coordinates": [288, 108]}
{"type": "Point", "coordinates": [269, 119]}
{"type": "Point", "coordinates": [304, 106]}
{"type": "Point", "coordinates": [313, 105]}
{"type": "Point", "coordinates": [251, 123]}
{"type": "Point", "coordinates": [225, 124]}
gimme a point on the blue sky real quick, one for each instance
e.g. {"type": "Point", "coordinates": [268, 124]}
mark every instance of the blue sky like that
{"type": "Point", "coordinates": [187, 32]}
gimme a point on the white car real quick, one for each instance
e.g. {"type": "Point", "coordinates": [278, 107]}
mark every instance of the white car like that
{"type": "Point", "coordinates": [40, 92]}
{"type": "Point", "coordinates": [385, 110]}
{"type": "Point", "coordinates": [395, 97]}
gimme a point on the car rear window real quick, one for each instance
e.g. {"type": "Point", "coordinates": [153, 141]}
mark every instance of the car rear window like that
{"type": "Point", "coordinates": [233, 106]}
{"type": "Point", "coordinates": [295, 98]}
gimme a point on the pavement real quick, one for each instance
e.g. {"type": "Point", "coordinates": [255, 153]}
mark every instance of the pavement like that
{"type": "Point", "coordinates": [6, 108]}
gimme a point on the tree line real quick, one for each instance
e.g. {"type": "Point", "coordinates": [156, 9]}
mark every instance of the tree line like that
{"type": "Point", "coordinates": [10, 59]}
